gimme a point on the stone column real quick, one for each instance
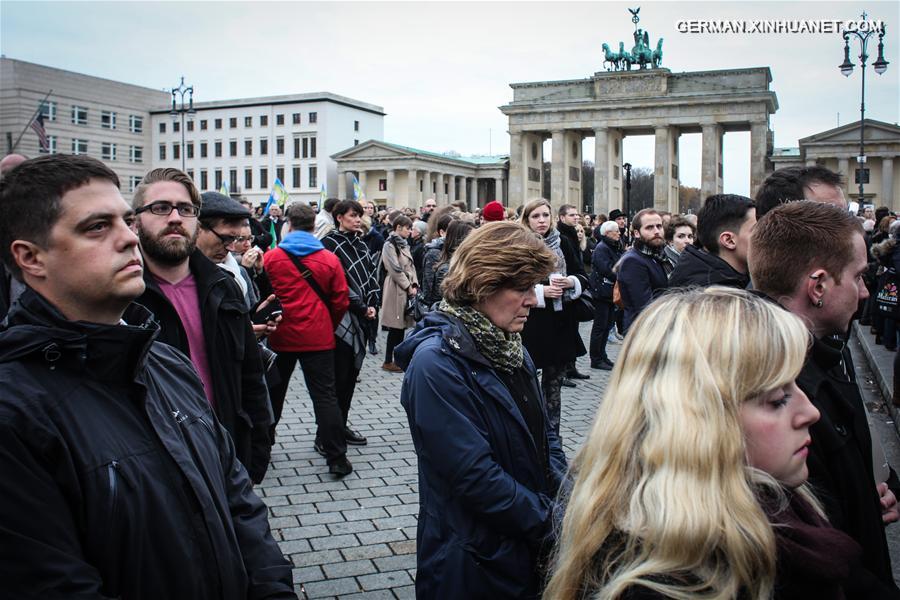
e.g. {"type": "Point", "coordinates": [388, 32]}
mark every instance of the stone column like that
{"type": "Point", "coordinates": [473, 196]}
{"type": "Point", "coordinates": [498, 190]}
{"type": "Point", "coordinates": [518, 171]}
{"type": "Point", "coordinates": [758, 139]}
{"type": "Point", "coordinates": [342, 185]}
{"type": "Point", "coordinates": [662, 172]}
{"type": "Point", "coordinates": [710, 182]}
{"type": "Point", "coordinates": [601, 170]}
{"type": "Point", "coordinates": [558, 175]}
{"type": "Point", "coordinates": [390, 187]}
{"type": "Point", "coordinates": [844, 169]}
{"type": "Point", "coordinates": [451, 188]}
{"type": "Point", "coordinates": [439, 189]}
{"type": "Point", "coordinates": [426, 186]}
{"type": "Point", "coordinates": [887, 184]}
{"type": "Point", "coordinates": [412, 188]}
{"type": "Point", "coordinates": [363, 182]}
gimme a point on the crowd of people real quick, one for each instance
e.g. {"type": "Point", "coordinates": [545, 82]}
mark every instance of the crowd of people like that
{"type": "Point", "coordinates": [147, 351]}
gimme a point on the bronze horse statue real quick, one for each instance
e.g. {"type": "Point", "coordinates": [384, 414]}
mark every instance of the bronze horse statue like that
{"type": "Point", "coordinates": [657, 56]}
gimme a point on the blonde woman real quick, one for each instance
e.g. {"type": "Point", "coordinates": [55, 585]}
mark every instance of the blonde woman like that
{"type": "Point", "coordinates": [691, 482]}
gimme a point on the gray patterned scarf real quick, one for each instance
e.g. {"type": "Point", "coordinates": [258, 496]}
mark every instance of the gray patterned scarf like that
{"type": "Point", "coordinates": [503, 350]}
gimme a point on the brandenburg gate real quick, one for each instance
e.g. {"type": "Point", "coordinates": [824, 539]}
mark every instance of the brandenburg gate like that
{"type": "Point", "coordinates": [612, 105]}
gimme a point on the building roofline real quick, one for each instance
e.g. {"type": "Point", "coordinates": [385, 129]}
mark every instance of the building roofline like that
{"type": "Point", "coordinates": [283, 99]}
{"type": "Point", "coordinates": [114, 81]}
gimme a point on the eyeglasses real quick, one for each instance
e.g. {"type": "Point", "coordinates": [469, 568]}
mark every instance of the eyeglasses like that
{"type": "Point", "coordinates": [229, 240]}
{"type": "Point", "coordinates": [163, 208]}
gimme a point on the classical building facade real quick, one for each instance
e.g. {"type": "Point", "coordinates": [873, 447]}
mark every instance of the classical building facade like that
{"type": "Point", "coordinates": [105, 119]}
{"type": "Point", "coordinates": [250, 142]}
{"type": "Point", "coordinates": [612, 105]}
{"type": "Point", "coordinates": [400, 177]}
{"type": "Point", "coordinates": [838, 150]}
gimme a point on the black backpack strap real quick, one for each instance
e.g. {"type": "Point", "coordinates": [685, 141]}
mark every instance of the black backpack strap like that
{"type": "Point", "coordinates": [308, 277]}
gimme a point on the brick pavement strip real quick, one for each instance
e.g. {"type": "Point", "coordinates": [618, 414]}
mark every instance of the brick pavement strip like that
{"type": "Point", "coordinates": [355, 537]}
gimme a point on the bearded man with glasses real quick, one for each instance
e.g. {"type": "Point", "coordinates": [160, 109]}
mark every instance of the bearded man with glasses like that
{"type": "Point", "coordinates": [199, 306]}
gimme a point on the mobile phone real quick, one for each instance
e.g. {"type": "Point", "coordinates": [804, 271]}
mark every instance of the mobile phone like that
{"type": "Point", "coordinates": [272, 311]}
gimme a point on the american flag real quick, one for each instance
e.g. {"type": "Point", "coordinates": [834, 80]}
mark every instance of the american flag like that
{"type": "Point", "coordinates": [38, 125]}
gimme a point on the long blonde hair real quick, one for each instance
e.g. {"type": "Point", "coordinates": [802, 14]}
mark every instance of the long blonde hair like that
{"type": "Point", "coordinates": [663, 496]}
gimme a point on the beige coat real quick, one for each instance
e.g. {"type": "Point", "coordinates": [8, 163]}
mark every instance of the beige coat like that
{"type": "Point", "coordinates": [401, 273]}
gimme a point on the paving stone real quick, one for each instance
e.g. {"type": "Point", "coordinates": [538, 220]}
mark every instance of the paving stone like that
{"type": "Point", "coordinates": [396, 563]}
{"type": "Point", "coordinates": [360, 552]}
{"type": "Point", "coordinates": [333, 541]}
{"type": "Point", "coordinates": [380, 581]}
{"type": "Point", "coordinates": [349, 568]}
{"type": "Point", "coordinates": [350, 527]}
{"type": "Point", "coordinates": [332, 587]}
{"type": "Point", "coordinates": [307, 574]}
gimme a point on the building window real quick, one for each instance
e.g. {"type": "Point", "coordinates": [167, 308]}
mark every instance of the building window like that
{"type": "Point", "coordinates": [48, 109]}
{"type": "Point", "coordinates": [356, 142]}
{"type": "Point", "coordinates": [248, 179]}
{"type": "Point", "coordinates": [248, 121]}
{"type": "Point", "coordinates": [305, 147]}
{"type": "Point", "coordinates": [279, 146]}
{"type": "Point", "coordinates": [133, 182]}
{"type": "Point", "coordinates": [189, 149]}
{"type": "Point", "coordinates": [218, 179]}
{"type": "Point", "coordinates": [312, 147]}
{"type": "Point", "coordinates": [162, 127]}
{"type": "Point", "coordinates": [263, 146]}
{"type": "Point", "coordinates": [107, 119]}
{"type": "Point", "coordinates": [217, 149]}
{"type": "Point", "coordinates": [248, 147]}
{"type": "Point", "coordinates": [279, 119]}
{"type": "Point", "coordinates": [313, 117]}
{"type": "Point", "coordinates": [190, 125]}
{"type": "Point", "coordinates": [263, 178]}
{"type": "Point", "coordinates": [296, 118]}
{"type": "Point", "coordinates": [176, 127]}
{"type": "Point", "coordinates": [218, 125]}
{"type": "Point", "coordinates": [79, 115]}
{"type": "Point", "coordinates": [382, 185]}
{"type": "Point", "coordinates": [190, 173]}
{"type": "Point", "coordinates": [232, 122]}
{"type": "Point", "coordinates": [136, 124]}
{"type": "Point", "coordinates": [204, 180]}
{"type": "Point", "coordinates": [279, 174]}
{"type": "Point", "coordinates": [203, 149]}
{"type": "Point", "coordinates": [263, 120]}
{"type": "Point", "coordinates": [162, 152]}
{"type": "Point", "coordinates": [313, 176]}
{"type": "Point", "coordinates": [79, 146]}
{"type": "Point", "coordinates": [296, 147]}
{"type": "Point", "coordinates": [136, 154]}
{"type": "Point", "coordinates": [355, 125]}
{"type": "Point", "coordinates": [176, 150]}
{"type": "Point", "coordinates": [108, 151]}
{"type": "Point", "coordinates": [295, 177]}
{"type": "Point", "coordinates": [203, 123]}
{"type": "Point", "coordinates": [51, 145]}
{"type": "Point", "coordinates": [232, 180]}
{"type": "Point", "coordinates": [232, 148]}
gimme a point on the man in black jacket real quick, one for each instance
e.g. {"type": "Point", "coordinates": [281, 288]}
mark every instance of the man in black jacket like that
{"type": "Point", "coordinates": [567, 218]}
{"type": "Point", "coordinates": [724, 226]}
{"type": "Point", "coordinates": [641, 275]}
{"type": "Point", "coordinates": [201, 311]}
{"type": "Point", "coordinates": [605, 256]}
{"type": "Point", "coordinates": [120, 481]}
{"type": "Point", "coordinates": [810, 258]}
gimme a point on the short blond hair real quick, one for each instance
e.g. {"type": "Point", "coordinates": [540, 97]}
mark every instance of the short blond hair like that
{"type": "Point", "coordinates": [496, 256]}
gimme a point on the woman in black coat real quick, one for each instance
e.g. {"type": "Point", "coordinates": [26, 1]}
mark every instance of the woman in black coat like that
{"type": "Point", "coordinates": [551, 333]}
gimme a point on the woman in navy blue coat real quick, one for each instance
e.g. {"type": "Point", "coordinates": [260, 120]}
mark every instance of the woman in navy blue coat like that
{"type": "Point", "coordinates": [489, 464]}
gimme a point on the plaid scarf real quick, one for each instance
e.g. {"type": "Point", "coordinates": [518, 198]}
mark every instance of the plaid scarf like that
{"type": "Point", "coordinates": [503, 350]}
{"type": "Point", "coordinates": [357, 263]}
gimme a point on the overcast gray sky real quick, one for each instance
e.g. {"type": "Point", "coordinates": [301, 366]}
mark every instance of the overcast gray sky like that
{"type": "Point", "coordinates": [441, 69]}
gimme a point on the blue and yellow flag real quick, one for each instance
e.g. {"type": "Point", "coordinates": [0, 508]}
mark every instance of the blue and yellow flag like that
{"type": "Point", "coordinates": [322, 197]}
{"type": "Point", "coordinates": [224, 189]}
{"type": "Point", "coordinates": [358, 193]}
{"type": "Point", "coordinates": [281, 195]}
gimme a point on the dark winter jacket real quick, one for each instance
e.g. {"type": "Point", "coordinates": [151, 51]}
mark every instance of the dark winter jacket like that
{"type": "Point", "coordinates": [357, 263]}
{"type": "Point", "coordinates": [429, 261]}
{"type": "Point", "coordinates": [641, 279]}
{"type": "Point", "coordinates": [242, 401]}
{"type": "Point", "coordinates": [118, 480]}
{"type": "Point", "coordinates": [606, 254]}
{"type": "Point", "coordinates": [840, 462]}
{"type": "Point", "coordinates": [308, 323]}
{"type": "Point", "coordinates": [484, 503]}
{"type": "Point", "coordinates": [703, 269]}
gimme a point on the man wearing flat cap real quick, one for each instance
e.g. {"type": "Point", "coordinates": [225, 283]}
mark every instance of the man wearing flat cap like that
{"type": "Point", "coordinates": [199, 306]}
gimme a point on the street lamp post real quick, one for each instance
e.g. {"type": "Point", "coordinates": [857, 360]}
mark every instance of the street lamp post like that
{"type": "Point", "coordinates": [627, 168]}
{"type": "Point", "coordinates": [880, 66]}
{"type": "Point", "coordinates": [181, 110]}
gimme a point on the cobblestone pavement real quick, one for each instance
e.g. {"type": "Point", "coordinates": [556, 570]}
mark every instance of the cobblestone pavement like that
{"type": "Point", "coordinates": [355, 537]}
